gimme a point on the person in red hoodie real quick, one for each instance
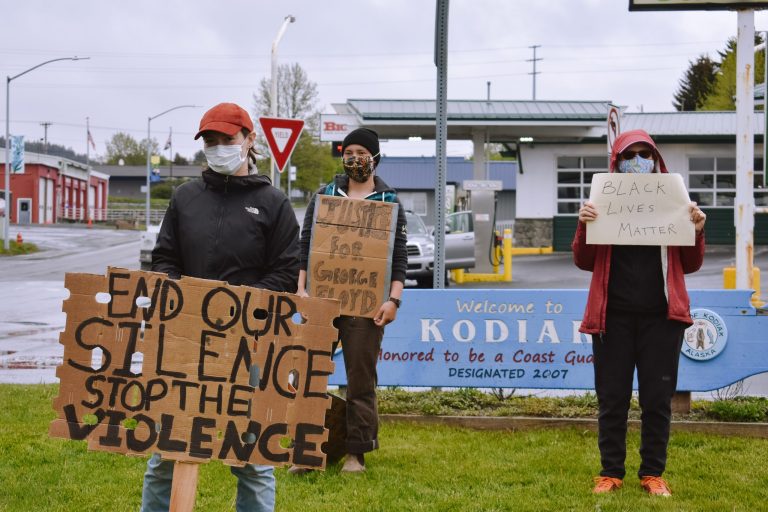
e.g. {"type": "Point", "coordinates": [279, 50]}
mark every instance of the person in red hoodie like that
{"type": "Point", "coordinates": [637, 311]}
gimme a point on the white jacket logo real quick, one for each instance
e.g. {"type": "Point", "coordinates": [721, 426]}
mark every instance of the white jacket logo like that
{"type": "Point", "coordinates": [252, 209]}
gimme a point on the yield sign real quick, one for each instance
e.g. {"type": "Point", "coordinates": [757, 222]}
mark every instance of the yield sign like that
{"type": "Point", "coordinates": [281, 135]}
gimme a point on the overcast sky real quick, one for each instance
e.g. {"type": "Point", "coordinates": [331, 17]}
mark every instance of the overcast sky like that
{"type": "Point", "coordinates": [147, 56]}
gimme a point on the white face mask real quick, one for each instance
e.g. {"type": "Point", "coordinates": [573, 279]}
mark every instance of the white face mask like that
{"type": "Point", "coordinates": [225, 159]}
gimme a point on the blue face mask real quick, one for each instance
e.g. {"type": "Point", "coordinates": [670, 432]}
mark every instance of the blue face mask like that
{"type": "Point", "coordinates": [637, 165]}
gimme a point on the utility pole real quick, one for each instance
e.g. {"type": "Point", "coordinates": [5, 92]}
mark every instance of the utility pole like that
{"type": "Point", "coordinates": [273, 88]}
{"type": "Point", "coordinates": [170, 154]}
{"type": "Point", "coordinates": [45, 136]}
{"type": "Point", "coordinates": [88, 139]}
{"type": "Point", "coordinates": [441, 137]}
{"type": "Point", "coordinates": [534, 72]}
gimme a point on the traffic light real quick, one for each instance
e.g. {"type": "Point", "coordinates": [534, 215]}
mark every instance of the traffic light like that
{"type": "Point", "coordinates": [336, 148]}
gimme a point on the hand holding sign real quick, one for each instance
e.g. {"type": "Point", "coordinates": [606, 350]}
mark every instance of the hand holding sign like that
{"type": "Point", "coordinates": [698, 217]}
{"type": "Point", "coordinates": [640, 209]}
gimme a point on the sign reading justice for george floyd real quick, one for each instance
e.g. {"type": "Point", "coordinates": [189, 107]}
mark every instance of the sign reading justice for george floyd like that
{"type": "Point", "coordinates": [350, 255]}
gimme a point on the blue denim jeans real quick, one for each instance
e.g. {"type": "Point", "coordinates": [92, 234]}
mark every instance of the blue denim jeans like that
{"type": "Point", "coordinates": [255, 487]}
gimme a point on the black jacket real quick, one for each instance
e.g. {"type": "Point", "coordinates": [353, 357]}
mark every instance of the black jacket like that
{"type": "Point", "coordinates": [237, 229]}
{"type": "Point", "coordinates": [341, 182]}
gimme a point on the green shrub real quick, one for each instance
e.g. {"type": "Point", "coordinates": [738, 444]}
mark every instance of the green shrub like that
{"type": "Point", "coordinates": [473, 402]}
{"type": "Point", "coordinates": [739, 409]}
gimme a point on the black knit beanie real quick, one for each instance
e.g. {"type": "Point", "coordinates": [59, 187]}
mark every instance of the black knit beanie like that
{"type": "Point", "coordinates": [365, 137]}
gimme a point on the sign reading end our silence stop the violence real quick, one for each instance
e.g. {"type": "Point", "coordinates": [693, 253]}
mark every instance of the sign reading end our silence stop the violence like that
{"type": "Point", "coordinates": [224, 372]}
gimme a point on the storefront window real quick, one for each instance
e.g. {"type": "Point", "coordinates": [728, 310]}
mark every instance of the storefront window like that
{"type": "Point", "coordinates": [712, 181]}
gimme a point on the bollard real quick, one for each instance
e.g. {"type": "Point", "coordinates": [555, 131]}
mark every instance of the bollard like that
{"type": "Point", "coordinates": [507, 251]}
{"type": "Point", "coordinates": [729, 283]}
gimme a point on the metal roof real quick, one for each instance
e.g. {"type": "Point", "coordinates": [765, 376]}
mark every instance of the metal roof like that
{"type": "Point", "coordinates": [418, 173]}
{"type": "Point", "coordinates": [134, 171]}
{"type": "Point", "coordinates": [501, 110]}
{"type": "Point", "coordinates": [553, 121]}
{"type": "Point", "coordinates": [688, 124]}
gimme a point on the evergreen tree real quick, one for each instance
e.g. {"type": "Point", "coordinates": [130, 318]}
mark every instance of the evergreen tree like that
{"type": "Point", "coordinates": [696, 84]}
{"type": "Point", "coordinates": [723, 93]}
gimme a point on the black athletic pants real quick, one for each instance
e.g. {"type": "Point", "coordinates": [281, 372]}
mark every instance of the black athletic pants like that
{"type": "Point", "coordinates": [651, 343]}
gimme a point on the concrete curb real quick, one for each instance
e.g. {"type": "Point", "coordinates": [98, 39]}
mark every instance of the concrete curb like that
{"type": "Point", "coordinates": [516, 423]}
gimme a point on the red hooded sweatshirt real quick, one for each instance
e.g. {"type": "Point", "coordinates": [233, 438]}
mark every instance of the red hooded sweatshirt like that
{"type": "Point", "coordinates": [675, 261]}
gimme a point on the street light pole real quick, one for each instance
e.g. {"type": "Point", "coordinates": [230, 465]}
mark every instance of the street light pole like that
{"type": "Point", "coordinates": [149, 153]}
{"type": "Point", "coordinates": [8, 79]}
{"type": "Point", "coordinates": [273, 92]}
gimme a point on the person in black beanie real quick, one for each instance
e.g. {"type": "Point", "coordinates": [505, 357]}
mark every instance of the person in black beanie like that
{"type": "Point", "coordinates": [361, 337]}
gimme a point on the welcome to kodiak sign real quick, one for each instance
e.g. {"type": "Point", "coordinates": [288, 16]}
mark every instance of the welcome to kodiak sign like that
{"type": "Point", "coordinates": [530, 339]}
{"type": "Point", "coordinates": [228, 372]}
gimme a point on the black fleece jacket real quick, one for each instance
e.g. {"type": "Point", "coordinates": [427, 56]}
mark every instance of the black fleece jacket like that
{"type": "Point", "coordinates": [341, 182]}
{"type": "Point", "coordinates": [237, 229]}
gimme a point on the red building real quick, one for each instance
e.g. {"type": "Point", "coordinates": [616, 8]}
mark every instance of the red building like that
{"type": "Point", "coordinates": [53, 188]}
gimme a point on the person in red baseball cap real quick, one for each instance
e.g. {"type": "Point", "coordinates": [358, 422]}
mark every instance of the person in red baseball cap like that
{"type": "Point", "coordinates": [227, 131]}
{"type": "Point", "coordinates": [231, 225]}
{"type": "Point", "coordinates": [637, 311]}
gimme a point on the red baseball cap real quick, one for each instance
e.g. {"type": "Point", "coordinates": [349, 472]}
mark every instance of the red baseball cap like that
{"type": "Point", "coordinates": [225, 118]}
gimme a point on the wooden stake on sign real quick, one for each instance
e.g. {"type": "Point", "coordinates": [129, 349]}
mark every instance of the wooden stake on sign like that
{"type": "Point", "coordinates": [184, 487]}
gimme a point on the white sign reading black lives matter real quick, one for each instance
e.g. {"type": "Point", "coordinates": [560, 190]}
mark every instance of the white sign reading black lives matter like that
{"type": "Point", "coordinates": [640, 209]}
{"type": "Point", "coordinates": [228, 372]}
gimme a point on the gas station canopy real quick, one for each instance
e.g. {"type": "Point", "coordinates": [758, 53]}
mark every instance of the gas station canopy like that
{"type": "Point", "coordinates": [504, 120]}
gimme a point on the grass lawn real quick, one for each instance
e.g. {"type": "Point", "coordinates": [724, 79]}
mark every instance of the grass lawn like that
{"type": "Point", "coordinates": [18, 248]}
{"type": "Point", "coordinates": [418, 468]}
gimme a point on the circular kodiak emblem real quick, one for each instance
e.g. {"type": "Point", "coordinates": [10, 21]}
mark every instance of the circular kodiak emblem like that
{"type": "Point", "coordinates": [707, 337]}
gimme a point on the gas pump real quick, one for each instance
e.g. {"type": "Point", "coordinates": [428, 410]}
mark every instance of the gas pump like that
{"type": "Point", "coordinates": [482, 202]}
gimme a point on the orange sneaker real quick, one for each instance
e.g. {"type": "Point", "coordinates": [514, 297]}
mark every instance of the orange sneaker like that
{"type": "Point", "coordinates": [606, 484]}
{"type": "Point", "coordinates": [656, 486]}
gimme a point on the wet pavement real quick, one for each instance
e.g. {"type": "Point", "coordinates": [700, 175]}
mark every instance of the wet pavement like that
{"type": "Point", "coordinates": [32, 291]}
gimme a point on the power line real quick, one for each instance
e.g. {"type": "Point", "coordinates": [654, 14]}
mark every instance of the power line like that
{"type": "Point", "coordinates": [251, 86]}
{"type": "Point", "coordinates": [344, 55]}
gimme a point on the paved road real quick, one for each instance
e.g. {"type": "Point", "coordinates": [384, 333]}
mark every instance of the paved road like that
{"type": "Point", "coordinates": [32, 289]}
{"type": "Point", "coordinates": [557, 271]}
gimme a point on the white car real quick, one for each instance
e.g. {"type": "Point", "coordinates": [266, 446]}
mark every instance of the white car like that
{"type": "Point", "coordinates": [421, 251]}
{"type": "Point", "coordinates": [148, 239]}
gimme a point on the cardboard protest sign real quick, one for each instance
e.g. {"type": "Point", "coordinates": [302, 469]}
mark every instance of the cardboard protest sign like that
{"type": "Point", "coordinates": [350, 254]}
{"type": "Point", "coordinates": [227, 372]}
{"type": "Point", "coordinates": [640, 209]}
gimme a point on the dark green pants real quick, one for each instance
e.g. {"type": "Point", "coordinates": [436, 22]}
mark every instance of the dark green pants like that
{"type": "Point", "coordinates": [360, 343]}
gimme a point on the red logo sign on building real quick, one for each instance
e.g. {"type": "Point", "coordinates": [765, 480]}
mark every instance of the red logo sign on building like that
{"type": "Point", "coordinates": [282, 135]}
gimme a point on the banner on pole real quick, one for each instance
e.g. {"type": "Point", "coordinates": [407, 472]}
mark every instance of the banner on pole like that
{"type": "Point", "coordinates": [17, 154]}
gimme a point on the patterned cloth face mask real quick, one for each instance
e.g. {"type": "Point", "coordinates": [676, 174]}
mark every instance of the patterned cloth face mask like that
{"type": "Point", "coordinates": [637, 165]}
{"type": "Point", "coordinates": [359, 168]}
